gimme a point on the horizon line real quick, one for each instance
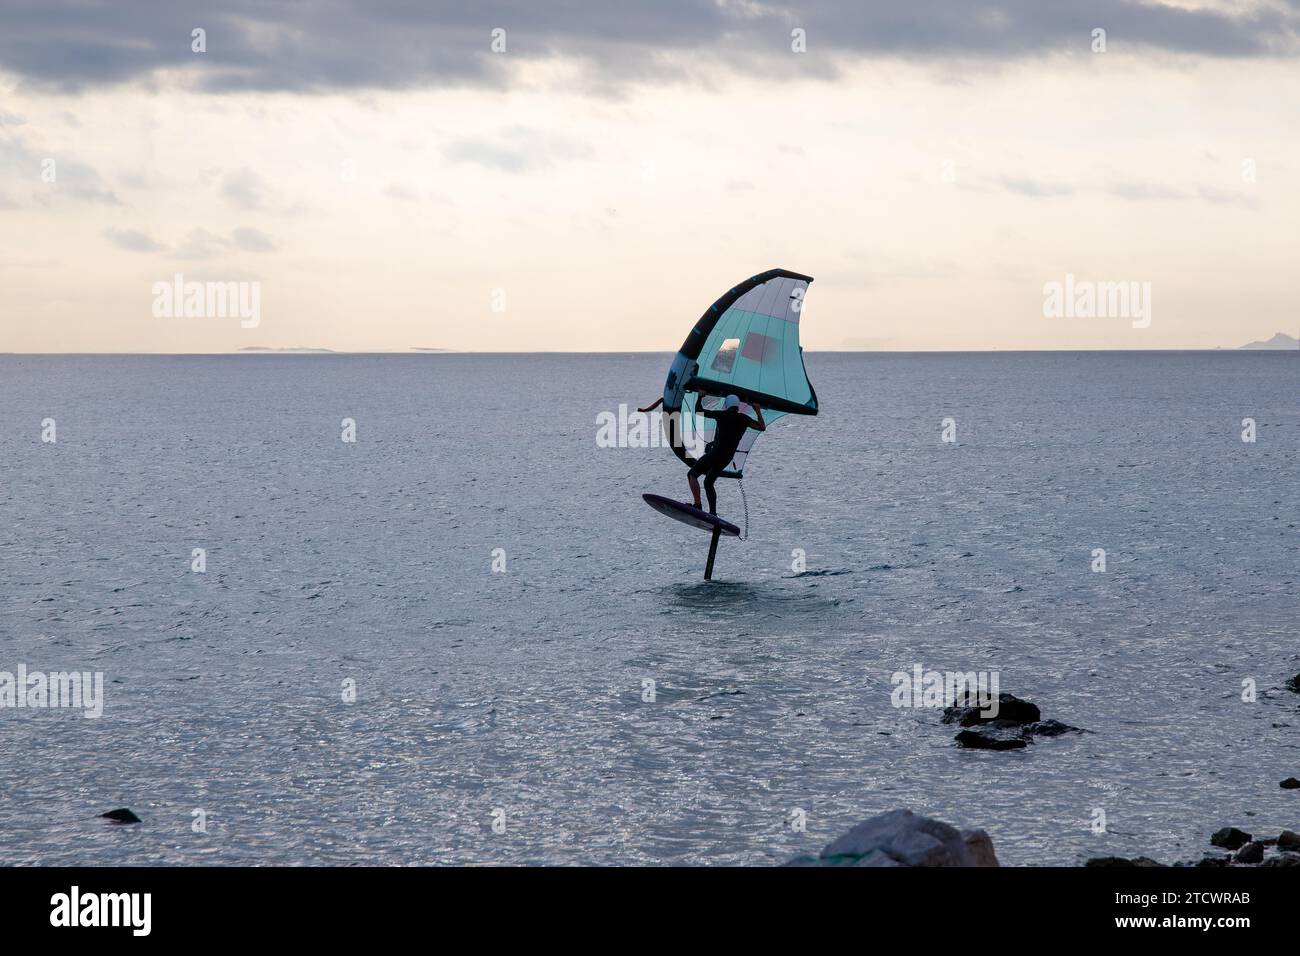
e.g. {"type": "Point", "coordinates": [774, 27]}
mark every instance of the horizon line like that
{"type": "Point", "coordinates": [438, 352]}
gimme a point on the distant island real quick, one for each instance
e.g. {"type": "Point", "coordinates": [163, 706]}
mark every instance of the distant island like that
{"type": "Point", "coordinates": [1279, 341]}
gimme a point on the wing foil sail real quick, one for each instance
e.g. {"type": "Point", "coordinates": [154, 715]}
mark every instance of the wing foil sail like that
{"type": "Point", "coordinates": [746, 344]}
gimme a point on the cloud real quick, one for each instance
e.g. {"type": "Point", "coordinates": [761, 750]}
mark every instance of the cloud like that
{"type": "Point", "coordinates": [198, 243]}
{"type": "Point", "coordinates": [83, 182]}
{"type": "Point", "coordinates": [202, 244]}
{"type": "Point", "coordinates": [1031, 28]}
{"type": "Point", "coordinates": [1226, 197]}
{"type": "Point", "coordinates": [1143, 192]}
{"type": "Point", "coordinates": [72, 179]}
{"type": "Point", "coordinates": [132, 240]}
{"type": "Point", "coordinates": [205, 244]}
{"type": "Point", "coordinates": [252, 240]}
{"type": "Point", "coordinates": [324, 45]}
{"type": "Point", "coordinates": [90, 193]}
{"type": "Point", "coordinates": [401, 193]}
{"type": "Point", "coordinates": [243, 188]}
{"type": "Point", "coordinates": [1032, 187]}
{"type": "Point", "coordinates": [1128, 190]}
{"type": "Point", "coordinates": [517, 149]}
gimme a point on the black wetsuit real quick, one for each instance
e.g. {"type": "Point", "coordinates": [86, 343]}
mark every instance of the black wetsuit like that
{"type": "Point", "coordinates": [731, 428]}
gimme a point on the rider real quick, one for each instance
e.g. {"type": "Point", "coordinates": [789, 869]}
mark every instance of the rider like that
{"type": "Point", "coordinates": [732, 424]}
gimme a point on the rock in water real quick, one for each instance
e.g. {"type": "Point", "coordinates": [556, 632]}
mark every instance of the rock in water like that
{"type": "Point", "coordinates": [1290, 783]}
{"type": "Point", "coordinates": [1282, 850]}
{"type": "Point", "coordinates": [1050, 728]}
{"type": "Point", "coordinates": [1011, 709]}
{"type": "Point", "coordinates": [121, 815]}
{"type": "Point", "coordinates": [1230, 838]}
{"type": "Point", "coordinates": [1250, 853]}
{"type": "Point", "coordinates": [1293, 684]}
{"type": "Point", "coordinates": [1015, 724]}
{"type": "Point", "coordinates": [979, 847]}
{"type": "Point", "coordinates": [987, 740]}
{"type": "Point", "coordinates": [901, 838]}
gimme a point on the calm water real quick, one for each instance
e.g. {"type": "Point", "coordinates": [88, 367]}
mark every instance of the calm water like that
{"type": "Point", "coordinates": [371, 562]}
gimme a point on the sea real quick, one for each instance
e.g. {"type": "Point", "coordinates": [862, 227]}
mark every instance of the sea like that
{"type": "Point", "coordinates": [408, 609]}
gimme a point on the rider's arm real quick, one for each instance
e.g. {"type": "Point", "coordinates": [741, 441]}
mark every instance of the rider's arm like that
{"type": "Point", "coordinates": [760, 425]}
{"type": "Point", "coordinates": [650, 408]}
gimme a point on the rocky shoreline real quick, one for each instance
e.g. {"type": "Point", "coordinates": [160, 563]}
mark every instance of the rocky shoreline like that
{"type": "Point", "coordinates": [1234, 848]}
{"type": "Point", "coordinates": [902, 838]}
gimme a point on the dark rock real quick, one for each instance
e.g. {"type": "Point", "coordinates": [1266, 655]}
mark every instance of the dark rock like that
{"type": "Point", "coordinates": [121, 815]}
{"type": "Point", "coordinates": [1014, 725]}
{"type": "Point", "coordinates": [901, 838]}
{"type": "Point", "coordinates": [984, 740]}
{"type": "Point", "coordinates": [1050, 728]}
{"type": "Point", "coordinates": [979, 847]}
{"type": "Point", "coordinates": [879, 858]}
{"type": "Point", "coordinates": [1250, 853]}
{"type": "Point", "coordinates": [1230, 838]}
{"type": "Point", "coordinates": [1000, 724]}
{"type": "Point", "coordinates": [1290, 783]}
{"type": "Point", "coordinates": [1113, 861]}
{"type": "Point", "coordinates": [1293, 684]}
{"type": "Point", "coordinates": [1283, 859]}
{"type": "Point", "coordinates": [1011, 709]}
{"type": "Point", "coordinates": [1288, 840]}
{"type": "Point", "coordinates": [1212, 861]}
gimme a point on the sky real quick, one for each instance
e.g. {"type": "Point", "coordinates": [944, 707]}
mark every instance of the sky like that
{"type": "Point", "coordinates": [590, 176]}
